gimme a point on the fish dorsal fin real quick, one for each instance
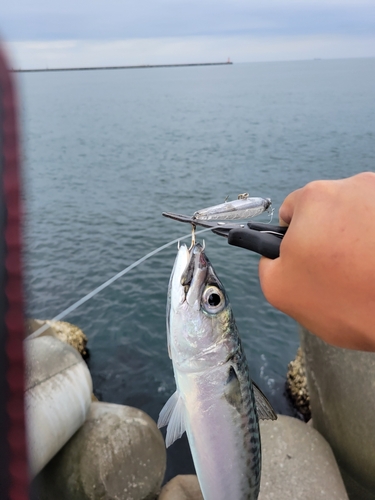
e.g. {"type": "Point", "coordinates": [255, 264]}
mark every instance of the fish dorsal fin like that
{"type": "Point", "coordinates": [173, 415]}
{"type": "Point", "coordinates": [264, 408]}
{"type": "Point", "coordinates": [232, 390]}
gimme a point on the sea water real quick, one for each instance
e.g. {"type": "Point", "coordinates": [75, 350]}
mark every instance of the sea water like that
{"type": "Point", "coordinates": [105, 152]}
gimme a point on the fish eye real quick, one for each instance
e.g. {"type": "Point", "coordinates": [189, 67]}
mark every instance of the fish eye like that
{"type": "Point", "coordinates": [213, 299]}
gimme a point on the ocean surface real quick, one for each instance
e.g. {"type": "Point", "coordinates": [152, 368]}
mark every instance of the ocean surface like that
{"type": "Point", "coordinates": [105, 152]}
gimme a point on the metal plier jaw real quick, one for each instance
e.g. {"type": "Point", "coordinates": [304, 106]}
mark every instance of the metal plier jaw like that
{"type": "Point", "coordinates": [258, 237]}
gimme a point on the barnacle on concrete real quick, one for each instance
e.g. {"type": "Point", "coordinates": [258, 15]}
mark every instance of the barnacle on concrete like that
{"type": "Point", "coordinates": [296, 385]}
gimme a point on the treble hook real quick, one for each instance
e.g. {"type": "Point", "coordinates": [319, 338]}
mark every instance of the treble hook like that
{"type": "Point", "coordinates": [192, 236]}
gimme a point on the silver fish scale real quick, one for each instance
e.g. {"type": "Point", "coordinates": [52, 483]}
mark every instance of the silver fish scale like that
{"type": "Point", "coordinates": [250, 427]}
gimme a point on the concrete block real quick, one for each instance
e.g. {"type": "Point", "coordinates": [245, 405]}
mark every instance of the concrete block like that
{"type": "Point", "coordinates": [342, 387]}
{"type": "Point", "coordinates": [182, 487]}
{"type": "Point", "coordinates": [62, 330]}
{"type": "Point", "coordinates": [118, 454]}
{"type": "Point", "coordinates": [297, 463]}
{"type": "Point", "coordinates": [57, 397]}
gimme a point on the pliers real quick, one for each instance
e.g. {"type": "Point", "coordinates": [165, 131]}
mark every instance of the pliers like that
{"type": "Point", "coordinates": [258, 237]}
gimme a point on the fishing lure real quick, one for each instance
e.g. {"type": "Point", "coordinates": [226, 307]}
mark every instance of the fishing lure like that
{"type": "Point", "coordinates": [242, 208]}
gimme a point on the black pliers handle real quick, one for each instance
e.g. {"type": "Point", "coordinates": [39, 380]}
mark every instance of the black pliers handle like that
{"type": "Point", "coordinates": [258, 237]}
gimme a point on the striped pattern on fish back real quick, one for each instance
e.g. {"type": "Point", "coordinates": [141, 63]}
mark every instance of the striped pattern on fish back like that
{"type": "Point", "coordinates": [249, 426]}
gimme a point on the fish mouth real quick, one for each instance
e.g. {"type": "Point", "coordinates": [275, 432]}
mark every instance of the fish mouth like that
{"type": "Point", "coordinates": [193, 278]}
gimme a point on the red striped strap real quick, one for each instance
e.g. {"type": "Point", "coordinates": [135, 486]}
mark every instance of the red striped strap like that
{"type": "Point", "coordinates": [13, 458]}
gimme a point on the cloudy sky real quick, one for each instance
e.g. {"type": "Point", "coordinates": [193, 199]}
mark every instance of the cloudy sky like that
{"type": "Point", "coordinates": [51, 33]}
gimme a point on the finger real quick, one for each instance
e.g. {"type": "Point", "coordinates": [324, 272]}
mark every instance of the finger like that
{"type": "Point", "coordinates": [287, 208]}
{"type": "Point", "coordinates": [269, 280]}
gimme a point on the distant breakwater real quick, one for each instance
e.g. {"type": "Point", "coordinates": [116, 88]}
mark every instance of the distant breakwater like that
{"type": "Point", "coordinates": [122, 67]}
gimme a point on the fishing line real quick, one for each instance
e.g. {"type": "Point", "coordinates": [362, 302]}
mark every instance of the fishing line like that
{"type": "Point", "coordinates": [87, 297]}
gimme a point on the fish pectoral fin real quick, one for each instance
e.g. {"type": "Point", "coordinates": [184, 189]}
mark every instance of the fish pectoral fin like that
{"type": "Point", "coordinates": [173, 415]}
{"type": "Point", "coordinates": [264, 408]}
{"type": "Point", "coordinates": [232, 390]}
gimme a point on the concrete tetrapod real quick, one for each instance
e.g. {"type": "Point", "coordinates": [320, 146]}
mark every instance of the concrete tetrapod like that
{"type": "Point", "coordinates": [297, 464]}
{"type": "Point", "coordinates": [182, 487]}
{"type": "Point", "coordinates": [62, 330]}
{"type": "Point", "coordinates": [118, 454]}
{"type": "Point", "coordinates": [342, 387]}
{"type": "Point", "coordinates": [57, 397]}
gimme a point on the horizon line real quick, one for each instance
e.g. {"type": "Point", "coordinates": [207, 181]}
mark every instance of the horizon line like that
{"type": "Point", "coordinates": [140, 66]}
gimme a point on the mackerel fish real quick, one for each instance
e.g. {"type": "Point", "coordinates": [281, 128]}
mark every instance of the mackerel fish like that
{"type": "Point", "coordinates": [216, 402]}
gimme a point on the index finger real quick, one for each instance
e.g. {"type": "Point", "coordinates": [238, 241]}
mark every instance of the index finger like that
{"type": "Point", "coordinates": [286, 210]}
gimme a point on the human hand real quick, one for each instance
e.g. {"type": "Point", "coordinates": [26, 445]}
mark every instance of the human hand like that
{"type": "Point", "coordinates": [325, 275]}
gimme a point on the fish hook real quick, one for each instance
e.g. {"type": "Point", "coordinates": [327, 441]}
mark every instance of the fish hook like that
{"type": "Point", "coordinates": [270, 213]}
{"type": "Point", "coordinates": [192, 236]}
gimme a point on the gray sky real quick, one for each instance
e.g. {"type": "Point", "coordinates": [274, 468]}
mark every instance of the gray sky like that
{"type": "Point", "coordinates": [83, 32]}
